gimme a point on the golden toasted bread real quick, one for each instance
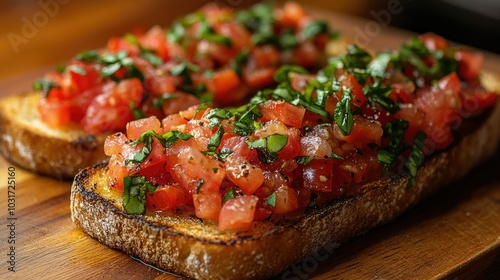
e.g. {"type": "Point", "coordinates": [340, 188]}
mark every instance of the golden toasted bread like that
{"type": "Point", "coordinates": [186, 245]}
{"type": "Point", "coordinates": [30, 143]}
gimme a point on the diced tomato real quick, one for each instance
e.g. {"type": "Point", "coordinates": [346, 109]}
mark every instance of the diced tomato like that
{"type": "Point", "coordinates": [222, 83]}
{"type": "Point", "coordinates": [286, 200]}
{"type": "Point", "coordinates": [291, 14]}
{"type": "Point", "coordinates": [192, 169]}
{"type": "Point", "coordinates": [238, 212]}
{"type": "Point", "coordinates": [171, 122]}
{"type": "Point", "coordinates": [469, 63]}
{"type": "Point", "coordinates": [239, 36]}
{"type": "Point", "coordinates": [166, 197]}
{"type": "Point", "coordinates": [317, 175]}
{"type": "Point", "coordinates": [137, 127]}
{"type": "Point", "coordinates": [155, 40]}
{"type": "Point", "coordinates": [54, 114]}
{"type": "Point", "coordinates": [434, 42]}
{"type": "Point", "coordinates": [292, 147]}
{"type": "Point", "coordinates": [363, 132]}
{"type": "Point", "coordinates": [236, 144]}
{"type": "Point", "coordinates": [259, 78]}
{"type": "Point", "coordinates": [476, 99]}
{"type": "Point", "coordinates": [116, 172]}
{"type": "Point", "coordinates": [243, 174]}
{"type": "Point", "coordinates": [114, 143]}
{"type": "Point", "coordinates": [403, 92]}
{"type": "Point", "coordinates": [282, 111]}
{"type": "Point", "coordinates": [364, 168]}
{"type": "Point", "coordinates": [207, 205]}
{"type": "Point", "coordinates": [265, 56]}
{"type": "Point", "coordinates": [315, 146]}
{"type": "Point", "coordinates": [358, 97]}
{"type": "Point", "coordinates": [111, 111]}
{"type": "Point", "coordinates": [116, 44]}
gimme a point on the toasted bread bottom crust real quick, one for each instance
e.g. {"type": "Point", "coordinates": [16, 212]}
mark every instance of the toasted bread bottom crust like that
{"type": "Point", "coordinates": [195, 248]}
{"type": "Point", "coordinates": [28, 142]}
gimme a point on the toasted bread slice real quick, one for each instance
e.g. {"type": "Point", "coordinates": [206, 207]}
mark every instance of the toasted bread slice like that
{"type": "Point", "coordinates": [195, 248]}
{"type": "Point", "coordinates": [30, 143]}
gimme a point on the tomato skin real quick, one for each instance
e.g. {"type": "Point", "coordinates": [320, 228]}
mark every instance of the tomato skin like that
{"type": "Point", "coordinates": [363, 132]}
{"type": "Point", "coordinates": [358, 97]}
{"type": "Point", "coordinates": [166, 197]}
{"type": "Point", "coordinates": [434, 42]}
{"type": "Point", "coordinates": [282, 111]}
{"type": "Point", "coordinates": [190, 167]}
{"type": "Point", "coordinates": [207, 205]}
{"type": "Point", "coordinates": [110, 111]}
{"type": "Point", "coordinates": [137, 127]}
{"type": "Point", "coordinates": [243, 174]}
{"type": "Point", "coordinates": [317, 175]}
{"type": "Point", "coordinates": [469, 64]}
{"type": "Point", "coordinates": [238, 212]}
{"type": "Point", "coordinates": [54, 114]}
{"type": "Point", "coordinates": [476, 99]}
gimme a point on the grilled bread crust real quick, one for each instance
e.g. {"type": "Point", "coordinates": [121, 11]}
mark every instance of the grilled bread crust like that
{"type": "Point", "coordinates": [186, 245]}
{"type": "Point", "coordinates": [30, 143]}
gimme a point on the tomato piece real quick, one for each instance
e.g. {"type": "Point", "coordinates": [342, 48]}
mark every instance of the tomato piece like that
{"type": "Point", "coordinates": [114, 144]}
{"type": "Point", "coordinates": [243, 174]}
{"type": "Point", "coordinates": [292, 147]}
{"type": "Point", "coordinates": [222, 83]}
{"type": "Point", "coordinates": [54, 114]}
{"type": "Point", "coordinates": [192, 169]}
{"type": "Point", "coordinates": [469, 63]}
{"type": "Point", "coordinates": [236, 144]}
{"type": "Point", "coordinates": [291, 14]}
{"type": "Point", "coordinates": [110, 111]}
{"type": "Point", "coordinates": [239, 36]}
{"type": "Point", "coordinates": [83, 75]}
{"type": "Point", "coordinates": [265, 56]}
{"type": "Point", "coordinates": [259, 78]}
{"type": "Point", "coordinates": [403, 92]}
{"type": "Point", "coordinates": [476, 99]}
{"type": "Point", "coordinates": [282, 111]}
{"type": "Point", "coordinates": [363, 132]}
{"type": "Point", "coordinates": [178, 101]}
{"type": "Point", "coordinates": [136, 128]}
{"type": "Point", "coordinates": [172, 122]}
{"type": "Point", "coordinates": [317, 175]}
{"type": "Point", "coordinates": [116, 44]}
{"type": "Point", "coordinates": [358, 97]}
{"type": "Point", "coordinates": [433, 41]}
{"type": "Point", "coordinates": [155, 39]}
{"type": "Point", "coordinates": [238, 213]}
{"type": "Point", "coordinates": [166, 197]}
{"type": "Point", "coordinates": [207, 205]}
{"type": "Point", "coordinates": [315, 146]}
{"type": "Point", "coordinates": [116, 172]}
{"type": "Point", "coordinates": [286, 200]}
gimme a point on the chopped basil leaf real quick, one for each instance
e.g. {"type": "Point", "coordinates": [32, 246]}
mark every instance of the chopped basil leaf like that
{"type": "Point", "coordinates": [271, 200]}
{"type": "Point", "coordinates": [343, 113]}
{"type": "Point", "coordinates": [219, 113]}
{"type": "Point", "coordinates": [282, 74]}
{"type": "Point", "coordinates": [138, 114]}
{"type": "Point", "coordinates": [218, 39]}
{"type": "Point", "coordinates": [158, 102]}
{"type": "Point", "coordinates": [315, 28]}
{"type": "Point", "coordinates": [114, 61]}
{"type": "Point", "coordinates": [76, 69]}
{"type": "Point", "coordinates": [355, 58]}
{"type": "Point", "coordinates": [268, 147]}
{"type": "Point", "coordinates": [224, 153]}
{"type": "Point", "coordinates": [215, 140]}
{"type": "Point", "coordinates": [416, 157]}
{"type": "Point", "coordinates": [395, 131]}
{"type": "Point", "coordinates": [229, 195]}
{"type": "Point", "coordinates": [288, 40]}
{"type": "Point", "coordinates": [238, 61]}
{"type": "Point", "coordinates": [134, 194]}
{"type": "Point", "coordinates": [336, 156]}
{"type": "Point", "coordinates": [199, 185]}
{"type": "Point", "coordinates": [244, 121]}
{"type": "Point", "coordinates": [380, 95]}
{"type": "Point", "coordinates": [304, 160]}
{"type": "Point", "coordinates": [152, 58]}
{"type": "Point", "coordinates": [132, 39]}
{"type": "Point", "coordinates": [378, 65]}
{"type": "Point", "coordinates": [168, 139]}
{"type": "Point", "coordinates": [88, 56]}
{"type": "Point", "coordinates": [44, 86]}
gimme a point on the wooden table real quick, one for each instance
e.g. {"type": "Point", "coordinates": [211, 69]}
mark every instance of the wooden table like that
{"type": "Point", "coordinates": [454, 234]}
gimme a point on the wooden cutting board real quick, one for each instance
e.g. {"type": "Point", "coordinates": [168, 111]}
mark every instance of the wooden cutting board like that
{"type": "Point", "coordinates": [454, 235]}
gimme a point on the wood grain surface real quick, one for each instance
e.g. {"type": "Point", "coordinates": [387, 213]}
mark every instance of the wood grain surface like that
{"type": "Point", "coordinates": [454, 235]}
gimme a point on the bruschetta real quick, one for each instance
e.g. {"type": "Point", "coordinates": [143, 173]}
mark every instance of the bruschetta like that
{"type": "Point", "coordinates": [245, 192]}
